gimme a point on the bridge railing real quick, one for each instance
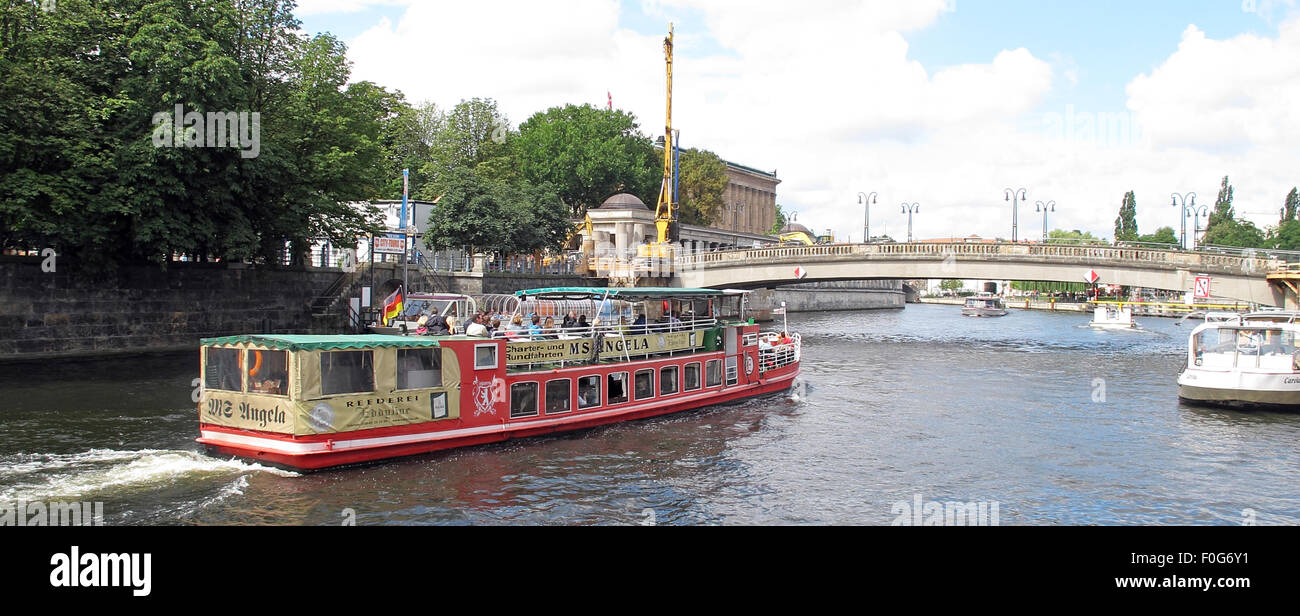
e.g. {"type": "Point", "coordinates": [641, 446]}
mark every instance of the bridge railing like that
{"type": "Point", "coordinates": [1247, 264]}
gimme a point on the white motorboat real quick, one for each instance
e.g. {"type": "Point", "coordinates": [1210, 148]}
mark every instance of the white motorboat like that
{"type": "Point", "coordinates": [1244, 361]}
{"type": "Point", "coordinates": [1112, 317]}
{"type": "Point", "coordinates": [984, 305]}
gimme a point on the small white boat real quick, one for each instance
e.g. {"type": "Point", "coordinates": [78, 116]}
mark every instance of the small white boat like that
{"type": "Point", "coordinates": [1244, 361]}
{"type": "Point", "coordinates": [1111, 317]}
{"type": "Point", "coordinates": [983, 305]}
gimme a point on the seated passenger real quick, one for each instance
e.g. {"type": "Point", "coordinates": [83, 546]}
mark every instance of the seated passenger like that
{"type": "Point", "coordinates": [476, 328]}
{"type": "Point", "coordinates": [535, 327]}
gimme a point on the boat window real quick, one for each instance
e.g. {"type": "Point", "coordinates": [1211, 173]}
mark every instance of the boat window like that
{"type": "Point", "coordinates": [557, 396]}
{"type": "Point", "coordinates": [617, 387]}
{"type": "Point", "coordinates": [713, 373]}
{"type": "Point", "coordinates": [667, 380]}
{"type": "Point", "coordinates": [221, 370]}
{"type": "Point", "coordinates": [733, 372]}
{"type": "Point", "coordinates": [523, 399]}
{"type": "Point", "coordinates": [347, 372]}
{"type": "Point", "coordinates": [645, 384]}
{"type": "Point", "coordinates": [419, 368]}
{"type": "Point", "coordinates": [485, 356]}
{"type": "Point", "coordinates": [691, 377]}
{"type": "Point", "coordinates": [268, 372]}
{"type": "Point", "coordinates": [589, 391]}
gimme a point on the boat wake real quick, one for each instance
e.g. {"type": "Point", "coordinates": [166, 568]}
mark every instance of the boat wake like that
{"type": "Point", "coordinates": [81, 476]}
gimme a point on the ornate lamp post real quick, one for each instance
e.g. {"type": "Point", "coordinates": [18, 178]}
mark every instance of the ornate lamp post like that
{"type": "Point", "coordinates": [1196, 212]}
{"type": "Point", "coordinates": [1184, 200]}
{"type": "Point", "coordinates": [1015, 197]}
{"type": "Point", "coordinates": [909, 210]}
{"type": "Point", "coordinates": [866, 200]}
{"type": "Point", "coordinates": [1044, 208]}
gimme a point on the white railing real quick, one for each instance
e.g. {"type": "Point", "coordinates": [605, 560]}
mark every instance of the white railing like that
{"type": "Point", "coordinates": [1248, 265]}
{"type": "Point", "coordinates": [778, 355]}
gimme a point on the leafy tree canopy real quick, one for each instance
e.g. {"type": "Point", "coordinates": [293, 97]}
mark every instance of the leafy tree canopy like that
{"type": "Point", "coordinates": [588, 154]}
{"type": "Point", "coordinates": [702, 183]}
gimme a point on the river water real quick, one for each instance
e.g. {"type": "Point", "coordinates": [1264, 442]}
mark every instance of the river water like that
{"type": "Point", "coordinates": [1033, 415]}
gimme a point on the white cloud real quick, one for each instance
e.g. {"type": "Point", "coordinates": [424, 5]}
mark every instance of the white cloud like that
{"type": "Point", "coordinates": [322, 7]}
{"type": "Point", "coordinates": [826, 94]}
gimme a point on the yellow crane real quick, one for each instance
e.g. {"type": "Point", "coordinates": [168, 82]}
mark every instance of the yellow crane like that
{"type": "Point", "coordinates": [665, 209]}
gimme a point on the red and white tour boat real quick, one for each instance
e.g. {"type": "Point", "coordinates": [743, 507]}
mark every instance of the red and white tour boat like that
{"type": "Point", "coordinates": [317, 401]}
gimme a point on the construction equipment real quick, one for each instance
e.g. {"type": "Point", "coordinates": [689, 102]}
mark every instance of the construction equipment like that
{"type": "Point", "coordinates": [797, 237]}
{"type": "Point", "coordinates": [666, 208]}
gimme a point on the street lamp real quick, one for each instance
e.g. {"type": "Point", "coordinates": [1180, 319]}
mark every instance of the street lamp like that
{"type": "Point", "coordinates": [866, 200]}
{"type": "Point", "coordinates": [1015, 197]}
{"type": "Point", "coordinates": [1196, 212]}
{"type": "Point", "coordinates": [736, 209]}
{"type": "Point", "coordinates": [909, 210]}
{"type": "Point", "coordinates": [1184, 200]}
{"type": "Point", "coordinates": [1044, 208]}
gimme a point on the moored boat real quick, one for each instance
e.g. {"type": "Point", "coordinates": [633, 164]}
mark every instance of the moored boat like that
{"type": "Point", "coordinates": [1244, 361]}
{"type": "Point", "coordinates": [1112, 317]}
{"type": "Point", "coordinates": [983, 305]}
{"type": "Point", "coordinates": [310, 402]}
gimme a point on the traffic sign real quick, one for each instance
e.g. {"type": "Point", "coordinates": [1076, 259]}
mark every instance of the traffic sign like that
{"type": "Point", "coordinates": [1202, 288]}
{"type": "Point", "coordinates": [1091, 277]}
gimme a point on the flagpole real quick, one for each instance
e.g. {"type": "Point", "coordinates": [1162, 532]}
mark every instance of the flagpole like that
{"type": "Point", "coordinates": [785, 320]}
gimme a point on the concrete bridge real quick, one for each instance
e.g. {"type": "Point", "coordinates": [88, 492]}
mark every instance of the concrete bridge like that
{"type": "Point", "coordinates": [1243, 278]}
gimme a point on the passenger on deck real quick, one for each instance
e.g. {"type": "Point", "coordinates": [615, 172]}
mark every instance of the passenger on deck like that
{"type": "Point", "coordinates": [582, 324]}
{"type": "Point", "coordinates": [517, 324]}
{"type": "Point", "coordinates": [570, 320]}
{"type": "Point", "coordinates": [785, 338]}
{"type": "Point", "coordinates": [548, 329]}
{"type": "Point", "coordinates": [422, 323]}
{"type": "Point", "coordinates": [437, 326]}
{"type": "Point", "coordinates": [638, 326]}
{"type": "Point", "coordinates": [476, 328]}
{"type": "Point", "coordinates": [535, 327]}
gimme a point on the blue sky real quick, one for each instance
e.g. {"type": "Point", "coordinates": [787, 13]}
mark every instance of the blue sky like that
{"type": "Point", "coordinates": [961, 116]}
{"type": "Point", "coordinates": [1105, 43]}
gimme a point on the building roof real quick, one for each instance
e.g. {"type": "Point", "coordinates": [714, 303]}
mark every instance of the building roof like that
{"type": "Point", "coordinates": [794, 227]}
{"type": "Point", "coordinates": [623, 201]}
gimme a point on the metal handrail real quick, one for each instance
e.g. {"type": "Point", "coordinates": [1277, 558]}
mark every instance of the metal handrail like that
{"type": "Point", "coordinates": [1245, 263]}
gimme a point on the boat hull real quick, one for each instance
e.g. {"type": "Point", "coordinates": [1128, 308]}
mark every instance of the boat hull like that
{"type": "Point", "coordinates": [982, 312]}
{"type": "Point", "coordinates": [375, 445]}
{"type": "Point", "coordinates": [1241, 390]}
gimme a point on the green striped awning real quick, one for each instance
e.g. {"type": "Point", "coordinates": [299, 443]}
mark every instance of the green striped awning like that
{"type": "Point", "coordinates": [296, 342]}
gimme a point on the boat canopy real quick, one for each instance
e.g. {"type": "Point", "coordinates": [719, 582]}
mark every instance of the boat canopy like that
{"type": "Point", "coordinates": [630, 293]}
{"type": "Point", "coordinates": [299, 342]}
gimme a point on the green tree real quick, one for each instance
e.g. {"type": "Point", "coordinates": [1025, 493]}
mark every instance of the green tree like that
{"type": "Point", "coordinates": [1126, 228]}
{"type": "Point", "coordinates": [1076, 236]}
{"type": "Point", "coordinates": [588, 154]}
{"type": "Point", "coordinates": [1286, 235]}
{"type": "Point", "coordinates": [701, 185]}
{"type": "Point", "coordinates": [90, 162]}
{"type": "Point", "coordinates": [1290, 206]}
{"type": "Point", "coordinates": [488, 215]}
{"type": "Point", "coordinates": [1163, 235]}
{"type": "Point", "coordinates": [1221, 218]}
{"type": "Point", "coordinates": [950, 284]}
{"type": "Point", "coordinates": [779, 224]}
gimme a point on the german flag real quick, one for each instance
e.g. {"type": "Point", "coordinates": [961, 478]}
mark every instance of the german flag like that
{"type": "Point", "coordinates": [393, 305]}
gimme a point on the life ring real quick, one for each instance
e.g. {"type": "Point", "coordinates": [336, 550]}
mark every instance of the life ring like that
{"type": "Point", "coordinates": [257, 364]}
